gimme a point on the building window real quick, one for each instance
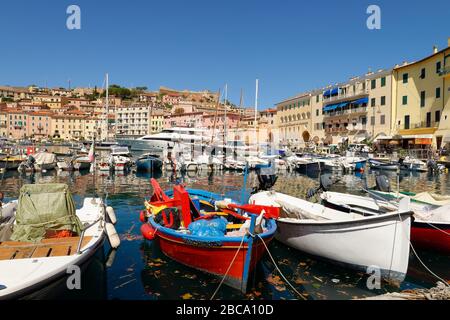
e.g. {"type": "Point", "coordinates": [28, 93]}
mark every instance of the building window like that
{"type": "Point", "coordinates": [383, 100]}
{"type": "Point", "coordinates": [382, 119]}
{"type": "Point", "coordinates": [372, 121]}
{"type": "Point", "coordinates": [372, 102]}
{"type": "Point", "coordinates": [422, 73]}
{"type": "Point", "coordinates": [438, 67]}
{"type": "Point", "coordinates": [437, 116]}
{"type": "Point", "coordinates": [405, 78]}
{"type": "Point", "coordinates": [438, 93]}
{"type": "Point", "coordinates": [422, 99]}
{"type": "Point", "coordinates": [383, 82]}
{"type": "Point", "coordinates": [373, 84]}
{"type": "Point", "coordinates": [405, 100]}
{"type": "Point", "coordinates": [317, 99]}
{"type": "Point", "coordinates": [317, 112]}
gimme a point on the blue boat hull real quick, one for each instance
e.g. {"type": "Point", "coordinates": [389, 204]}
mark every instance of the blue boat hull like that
{"type": "Point", "coordinates": [149, 165]}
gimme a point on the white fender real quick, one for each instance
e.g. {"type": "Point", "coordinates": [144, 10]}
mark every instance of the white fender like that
{"type": "Point", "coordinates": [113, 237]}
{"type": "Point", "coordinates": [111, 214]}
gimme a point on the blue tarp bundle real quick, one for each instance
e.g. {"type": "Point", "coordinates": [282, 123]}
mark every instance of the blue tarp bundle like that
{"type": "Point", "coordinates": [209, 228]}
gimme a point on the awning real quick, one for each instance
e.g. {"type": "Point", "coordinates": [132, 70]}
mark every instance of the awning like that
{"type": "Point", "coordinates": [383, 138]}
{"type": "Point", "coordinates": [358, 139]}
{"type": "Point", "coordinates": [417, 136]}
{"type": "Point", "coordinates": [331, 92]}
{"type": "Point", "coordinates": [361, 101]}
{"type": "Point", "coordinates": [332, 107]}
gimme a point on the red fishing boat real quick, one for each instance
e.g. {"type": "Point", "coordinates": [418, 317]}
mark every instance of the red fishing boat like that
{"type": "Point", "coordinates": [231, 253]}
{"type": "Point", "coordinates": [431, 235]}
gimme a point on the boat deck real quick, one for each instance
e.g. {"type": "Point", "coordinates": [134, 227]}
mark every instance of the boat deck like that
{"type": "Point", "coordinates": [10, 250]}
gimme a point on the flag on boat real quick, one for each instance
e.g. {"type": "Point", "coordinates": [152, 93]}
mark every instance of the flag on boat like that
{"type": "Point", "coordinates": [91, 154]}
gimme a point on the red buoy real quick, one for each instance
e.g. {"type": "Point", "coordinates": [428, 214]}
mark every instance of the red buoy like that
{"type": "Point", "coordinates": [143, 217]}
{"type": "Point", "coordinates": [148, 231]}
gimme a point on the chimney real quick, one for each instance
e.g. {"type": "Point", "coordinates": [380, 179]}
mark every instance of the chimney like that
{"type": "Point", "coordinates": [435, 49]}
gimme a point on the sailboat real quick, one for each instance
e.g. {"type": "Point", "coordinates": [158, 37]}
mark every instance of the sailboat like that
{"type": "Point", "coordinates": [104, 143]}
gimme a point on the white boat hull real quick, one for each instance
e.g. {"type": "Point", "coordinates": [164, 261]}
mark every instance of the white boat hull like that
{"type": "Point", "coordinates": [359, 242]}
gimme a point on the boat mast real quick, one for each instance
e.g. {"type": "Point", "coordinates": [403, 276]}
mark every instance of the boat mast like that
{"type": "Point", "coordinates": [107, 105]}
{"type": "Point", "coordinates": [225, 116]}
{"type": "Point", "coordinates": [256, 106]}
{"type": "Point", "coordinates": [215, 117]}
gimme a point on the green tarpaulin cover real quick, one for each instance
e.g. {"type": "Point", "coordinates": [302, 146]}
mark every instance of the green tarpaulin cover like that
{"type": "Point", "coordinates": [44, 207]}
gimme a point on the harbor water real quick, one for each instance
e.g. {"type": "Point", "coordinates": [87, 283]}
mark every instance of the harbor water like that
{"type": "Point", "coordinates": [139, 270]}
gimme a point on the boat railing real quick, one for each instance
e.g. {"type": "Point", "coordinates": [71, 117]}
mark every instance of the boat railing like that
{"type": "Point", "coordinates": [83, 232]}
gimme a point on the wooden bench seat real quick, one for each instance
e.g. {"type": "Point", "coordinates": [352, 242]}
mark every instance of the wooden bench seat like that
{"type": "Point", "coordinates": [58, 247]}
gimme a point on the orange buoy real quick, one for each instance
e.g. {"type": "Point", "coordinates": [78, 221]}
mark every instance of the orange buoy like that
{"type": "Point", "coordinates": [148, 231]}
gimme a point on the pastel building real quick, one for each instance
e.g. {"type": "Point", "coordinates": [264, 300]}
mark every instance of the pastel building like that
{"type": "Point", "coordinates": [422, 106]}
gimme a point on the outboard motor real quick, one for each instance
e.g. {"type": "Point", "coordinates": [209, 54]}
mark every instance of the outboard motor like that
{"type": "Point", "coordinates": [266, 177]}
{"type": "Point", "coordinates": [325, 182]}
{"type": "Point", "coordinates": [382, 183]}
{"type": "Point", "coordinates": [433, 166]}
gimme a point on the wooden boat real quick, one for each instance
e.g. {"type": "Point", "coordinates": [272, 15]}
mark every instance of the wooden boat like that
{"type": "Point", "coordinates": [430, 228]}
{"type": "Point", "coordinates": [149, 163]}
{"type": "Point", "coordinates": [382, 165]}
{"type": "Point", "coordinates": [349, 239]}
{"type": "Point", "coordinates": [429, 198]}
{"type": "Point", "coordinates": [10, 162]}
{"type": "Point", "coordinates": [231, 255]}
{"type": "Point", "coordinates": [27, 263]}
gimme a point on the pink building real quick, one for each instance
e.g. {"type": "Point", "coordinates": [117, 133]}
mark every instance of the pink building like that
{"type": "Point", "coordinates": [193, 119]}
{"type": "Point", "coordinates": [39, 124]}
{"type": "Point", "coordinates": [209, 120]}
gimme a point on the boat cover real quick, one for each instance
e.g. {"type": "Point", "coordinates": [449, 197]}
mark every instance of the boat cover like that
{"type": "Point", "coordinates": [44, 207]}
{"type": "Point", "coordinates": [441, 214]}
{"type": "Point", "coordinates": [432, 198]}
{"type": "Point", "coordinates": [45, 158]}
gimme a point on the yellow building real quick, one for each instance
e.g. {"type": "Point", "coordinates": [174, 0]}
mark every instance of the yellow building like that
{"type": "Point", "coordinates": [294, 120]}
{"type": "Point", "coordinates": [422, 107]}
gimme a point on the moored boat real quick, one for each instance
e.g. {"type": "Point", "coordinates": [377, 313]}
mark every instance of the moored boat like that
{"type": "Point", "coordinates": [149, 163]}
{"type": "Point", "coordinates": [344, 238]}
{"type": "Point", "coordinates": [39, 243]}
{"type": "Point", "coordinates": [205, 241]}
{"type": "Point", "coordinates": [430, 228]}
{"type": "Point", "coordinates": [383, 165]}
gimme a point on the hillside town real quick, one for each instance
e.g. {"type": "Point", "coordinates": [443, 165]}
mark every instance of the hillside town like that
{"type": "Point", "coordinates": [405, 106]}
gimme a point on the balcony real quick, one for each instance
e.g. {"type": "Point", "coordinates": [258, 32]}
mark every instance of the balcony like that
{"type": "Point", "coordinates": [347, 95]}
{"type": "Point", "coordinates": [445, 71]}
{"type": "Point", "coordinates": [351, 111]}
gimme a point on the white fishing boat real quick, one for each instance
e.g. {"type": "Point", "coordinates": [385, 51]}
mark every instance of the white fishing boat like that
{"type": "Point", "coordinates": [44, 161]}
{"type": "Point", "coordinates": [413, 164]}
{"type": "Point", "coordinates": [120, 158]}
{"type": "Point", "coordinates": [41, 243]}
{"type": "Point", "coordinates": [353, 240]}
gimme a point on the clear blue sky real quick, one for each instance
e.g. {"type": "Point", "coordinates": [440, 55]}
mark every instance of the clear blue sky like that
{"type": "Point", "coordinates": [290, 45]}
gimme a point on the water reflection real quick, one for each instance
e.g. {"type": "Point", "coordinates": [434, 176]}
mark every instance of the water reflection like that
{"type": "Point", "coordinates": [141, 271]}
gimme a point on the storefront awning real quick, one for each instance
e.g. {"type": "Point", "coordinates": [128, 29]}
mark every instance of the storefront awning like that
{"type": "Point", "coordinates": [417, 136]}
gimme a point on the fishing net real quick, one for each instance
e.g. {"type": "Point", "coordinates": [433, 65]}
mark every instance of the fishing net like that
{"type": "Point", "coordinates": [44, 208]}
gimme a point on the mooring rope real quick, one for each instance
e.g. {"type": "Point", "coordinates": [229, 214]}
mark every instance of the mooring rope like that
{"type": "Point", "coordinates": [281, 273]}
{"type": "Point", "coordinates": [229, 267]}
{"type": "Point", "coordinates": [417, 256]}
